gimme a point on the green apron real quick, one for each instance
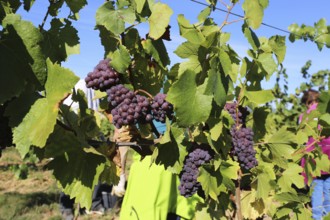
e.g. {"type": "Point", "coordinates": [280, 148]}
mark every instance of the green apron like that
{"type": "Point", "coordinates": [152, 192]}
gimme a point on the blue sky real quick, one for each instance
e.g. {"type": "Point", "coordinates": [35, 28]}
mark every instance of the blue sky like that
{"type": "Point", "coordinates": [280, 13]}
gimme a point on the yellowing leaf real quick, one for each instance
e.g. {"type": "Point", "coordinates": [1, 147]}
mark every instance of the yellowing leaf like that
{"type": "Point", "coordinates": [159, 20]}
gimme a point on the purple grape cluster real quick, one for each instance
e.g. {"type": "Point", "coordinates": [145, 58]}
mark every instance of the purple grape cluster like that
{"type": "Point", "coordinates": [242, 140]}
{"type": "Point", "coordinates": [160, 108]}
{"type": "Point", "coordinates": [242, 137]}
{"type": "Point", "coordinates": [103, 76]}
{"type": "Point", "coordinates": [117, 94]}
{"type": "Point", "coordinates": [188, 176]}
{"type": "Point", "coordinates": [129, 108]}
{"type": "Point", "coordinates": [238, 113]}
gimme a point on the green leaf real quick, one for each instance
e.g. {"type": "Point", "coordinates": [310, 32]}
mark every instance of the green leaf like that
{"type": "Point", "coordinates": [139, 5]}
{"type": "Point", "coordinates": [170, 151]}
{"type": "Point", "coordinates": [39, 122]}
{"type": "Point", "coordinates": [191, 105]}
{"type": "Point", "coordinates": [18, 108]}
{"type": "Point", "coordinates": [251, 36]}
{"type": "Point", "coordinates": [229, 169]}
{"type": "Point", "coordinates": [268, 64]}
{"type": "Point", "coordinates": [225, 62]}
{"type": "Point", "coordinates": [31, 38]}
{"type": "Point", "coordinates": [159, 19]}
{"type": "Point", "coordinates": [193, 64]}
{"type": "Point", "coordinates": [289, 197]}
{"type": "Point", "coordinates": [203, 15]}
{"type": "Point", "coordinates": [189, 31]}
{"type": "Point", "coordinates": [21, 57]}
{"type": "Point", "coordinates": [8, 7]}
{"type": "Point", "coordinates": [120, 59]}
{"type": "Point", "coordinates": [85, 166]}
{"type": "Point", "coordinates": [157, 50]}
{"type": "Point", "coordinates": [250, 209]}
{"type": "Point", "coordinates": [114, 20]}
{"type": "Point", "coordinates": [292, 175]}
{"type": "Point", "coordinates": [28, 4]}
{"type": "Point", "coordinates": [259, 97]}
{"type": "Point", "coordinates": [147, 75]}
{"type": "Point", "coordinates": [76, 5]}
{"type": "Point", "coordinates": [187, 49]}
{"type": "Point", "coordinates": [264, 181]}
{"type": "Point", "coordinates": [61, 40]}
{"type": "Point", "coordinates": [278, 46]}
{"type": "Point", "coordinates": [211, 182]}
{"type": "Point", "coordinates": [280, 144]}
{"type": "Point", "coordinates": [217, 83]}
{"type": "Point", "coordinates": [254, 12]}
{"type": "Point", "coordinates": [109, 41]}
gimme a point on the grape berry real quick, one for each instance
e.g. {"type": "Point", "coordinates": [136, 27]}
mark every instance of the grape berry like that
{"type": "Point", "coordinates": [188, 177]}
{"type": "Point", "coordinates": [160, 108]}
{"type": "Point", "coordinates": [129, 108]}
{"type": "Point", "coordinates": [102, 77]}
{"type": "Point", "coordinates": [242, 137]}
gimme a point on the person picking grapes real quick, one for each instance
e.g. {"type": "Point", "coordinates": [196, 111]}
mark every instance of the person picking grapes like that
{"type": "Point", "coordinates": [320, 198]}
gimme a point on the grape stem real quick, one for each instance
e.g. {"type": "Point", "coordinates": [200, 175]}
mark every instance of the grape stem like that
{"type": "Point", "coordinates": [41, 27]}
{"type": "Point", "coordinates": [145, 92]}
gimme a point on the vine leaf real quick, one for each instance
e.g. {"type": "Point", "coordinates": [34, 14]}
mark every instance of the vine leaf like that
{"type": "Point", "coordinates": [75, 6]}
{"type": "Point", "coordinates": [139, 5]}
{"type": "Point", "coordinates": [159, 20]}
{"type": "Point", "coordinates": [85, 164]}
{"type": "Point", "coordinates": [251, 36]}
{"type": "Point", "coordinates": [280, 143]}
{"type": "Point", "coordinates": [259, 97]}
{"type": "Point", "coordinates": [39, 122]}
{"type": "Point", "coordinates": [114, 20]}
{"type": "Point", "coordinates": [28, 4]}
{"type": "Point", "coordinates": [191, 104]}
{"type": "Point", "coordinates": [217, 83]}
{"type": "Point", "coordinates": [189, 31]}
{"type": "Point", "coordinates": [157, 50]}
{"type": "Point", "coordinates": [171, 152]}
{"type": "Point", "coordinates": [187, 49]}
{"type": "Point", "coordinates": [249, 208]}
{"type": "Point", "coordinates": [20, 56]}
{"type": "Point", "coordinates": [254, 12]}
{"type": "Point", "coordinates": [211, 182]}
{"type": "Point", "coordinates": [278, 46]}
{"type": "Point", "coordinates": [264, 180]}
{"type": "Point", "coordinates": [120, 59]}
{"type": "Point", "coordinates": [61, 40]}
{"type": "Point", "coordinates": [292, 175]}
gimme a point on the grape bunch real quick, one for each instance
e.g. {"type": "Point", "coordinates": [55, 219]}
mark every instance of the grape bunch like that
{"type": "Point", "coordinates": [117, 94]}
{"type": "Point", "coordinates": [242, 140]}
{"type": "Point", "coordinates": [103, 76]}
{"type": "Point", "coordinates": [160, 108]}
{"type": "Point", "coordinates": [238, 113]}
{"type": "Point", "coordinates": [129, 108]}
{"type": "Point", "coordinates": [188, 176]}
{"type": "Point", "coordinates": [242, 137]}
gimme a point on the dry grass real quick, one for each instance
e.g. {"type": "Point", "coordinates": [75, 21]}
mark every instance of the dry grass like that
{"type": "Point", "coordinates": [33, 198]}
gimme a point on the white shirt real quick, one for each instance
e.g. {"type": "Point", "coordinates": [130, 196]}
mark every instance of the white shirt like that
{"type": "Point", "coordinates": [89, 94]}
